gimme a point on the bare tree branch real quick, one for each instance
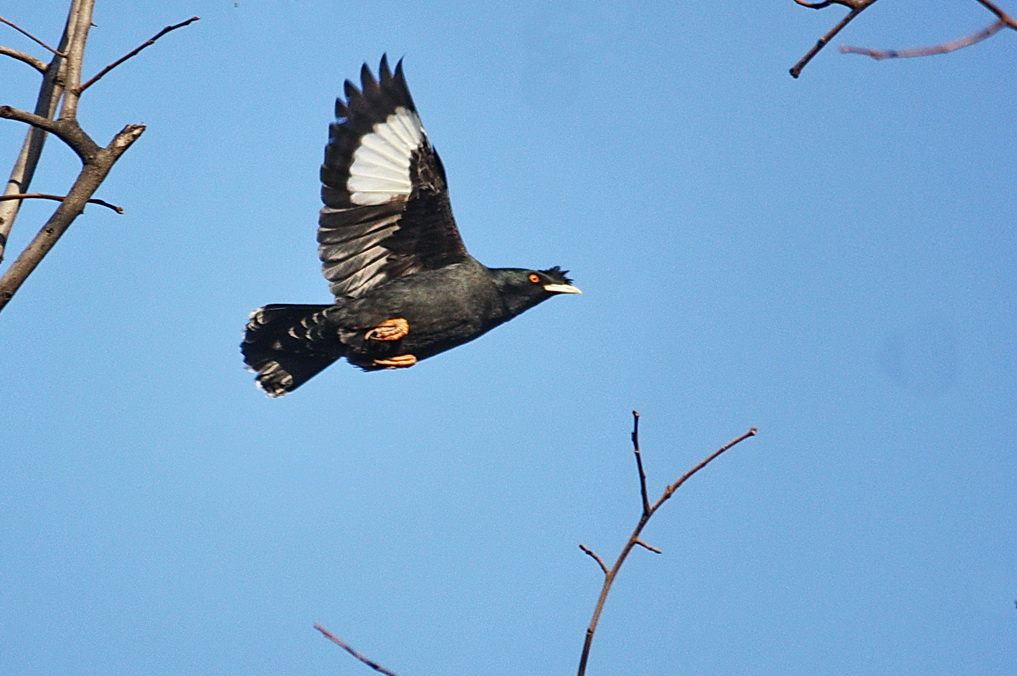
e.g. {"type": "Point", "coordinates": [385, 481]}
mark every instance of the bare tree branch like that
{"type": "Point", "coordinates": [593, 555]}
{"type": "Point", "coordinates": [67, 131]}
{"type": "Point", "coordinates": [134, 52]}
{"type": "Point", "coordinates": [633, 541]}
{"type": "Point", "coordinates": [82, 22]}
{"type": "Point", "coordinates": [823, 5]}
{"type": "Point", "coordinates": [646, 546]}
{"type": "Point", "coordinates": [93, 173]}
{"type": "Point", "coordinates": [28, 159]}
{"type": "Point", "coordinates": [30, 36]}
{"type": "Point", "coordinates": [1004, 20]}
{"type": "Point", "coordinates": [856, 7]}
{"type": "Point", "coordinates": [27, 58]}
{"type": "Point", "coordinates": [58, 198]}
{"type": "Point", "coordinates": [1000, 14]}
{"type": "Point", "coordinates": [44, 123]}
{"type": "Point", "coordinates": [61, 88]}
{"type": "Point", "coordinates": [639, 461]}
{"type": "Point", "coordinates": [332, 637]}
{"type": "Point", "coordinates": [945, 48]}
{"type": "Point", "coordinates": [609, 573]}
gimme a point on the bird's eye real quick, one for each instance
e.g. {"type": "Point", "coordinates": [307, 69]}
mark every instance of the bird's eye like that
{"type": "Point", "coordinates": [534, 277]}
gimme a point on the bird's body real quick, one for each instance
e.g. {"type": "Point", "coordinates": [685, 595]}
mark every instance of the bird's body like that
{"type": "Point", "coordinates": [405, 287]}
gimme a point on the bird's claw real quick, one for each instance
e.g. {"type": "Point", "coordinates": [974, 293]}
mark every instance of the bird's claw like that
{"type": "Point", "coordinates": [390, 329]}
{"type": "Point", "coordinates": [400, 362]}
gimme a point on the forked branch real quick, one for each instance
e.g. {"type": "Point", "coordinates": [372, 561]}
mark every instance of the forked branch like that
{"type": "Point", "coordinates": [856, 7]}
{"type": "Point", "coordinates": [56, 113]}
{"type": "Point", "coordinates": [609, 573]}
{"type": "Point", "coordinates": [67, 131]}
{"type": "Point", "coordinates": [134, 52]}
{"type": "Point", "coordinates": [634, 540]}
{"type": "Point", "coordinates": [93, 173]}
{"type": "Point", "coordinates": [1003, 20]}
{"type": "Point", "coordinates": [1000, 14]}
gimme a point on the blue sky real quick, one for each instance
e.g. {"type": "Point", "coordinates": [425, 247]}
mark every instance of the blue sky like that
{"type": "Point", "coordinates": [831, 259]}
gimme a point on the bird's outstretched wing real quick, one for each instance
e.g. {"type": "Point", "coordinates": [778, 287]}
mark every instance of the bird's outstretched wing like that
{"type": "Point", "coordinates": [387, 211]}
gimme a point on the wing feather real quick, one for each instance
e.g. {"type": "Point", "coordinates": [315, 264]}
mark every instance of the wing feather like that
{"type": "Point", "coordinates": [386, 208]}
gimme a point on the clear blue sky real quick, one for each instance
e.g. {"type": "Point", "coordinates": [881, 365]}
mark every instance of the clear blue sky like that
{"type": "Point", "coordinates": [831, 259]}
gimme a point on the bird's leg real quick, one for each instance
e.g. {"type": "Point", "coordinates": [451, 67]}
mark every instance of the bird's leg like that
{"type": "Point", "coordinates": [400, 362]}
{"type": "Point", "coordinates": [390, 329]}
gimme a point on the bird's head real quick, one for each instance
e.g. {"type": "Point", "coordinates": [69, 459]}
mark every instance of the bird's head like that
{"type": "Point", "coordinates": [522, 289]}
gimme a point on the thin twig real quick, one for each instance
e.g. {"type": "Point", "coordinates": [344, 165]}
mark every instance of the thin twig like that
{"type": "Point", "coordinates": [1000, 14]}
{"type": "Point", "coordinates": [335, 639]}
{"type": "Point", "coordinates": [58, 198]}
{"type": "Point", "coordinates": [850, 4]}
{"type": "Point", "coordinates": [646, 546]}
{"type": "Point", "coordinates": [134, 52]}
{"type": "Point", "coordinates": [594, 556]}
{"type": "Point", "coordinates": [27, 58]}
{"type": "Point", "coordinates": [639, 461]}
{"type": "Point", "coordinates": [945, 48]}
{"type": "Point", "coordinates": [669, 491]}
{"type": "Point", "coordinates": [827, 3]}
{"type": "Point", "coordinates": [30, 36]}
{"type": "Point", "coordinates": [633, 541]}
{"type": "Point", "coordinates": [856, 6]}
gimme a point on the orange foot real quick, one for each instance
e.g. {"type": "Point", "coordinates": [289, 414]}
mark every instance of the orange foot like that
{"type": "Point", "coordinates": [400, 362]}
{"type": "Point", "coordinates": [390, 329]}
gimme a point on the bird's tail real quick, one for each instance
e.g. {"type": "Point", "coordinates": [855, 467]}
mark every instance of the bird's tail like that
{"type": "Point", "coordinates": [285, 345]}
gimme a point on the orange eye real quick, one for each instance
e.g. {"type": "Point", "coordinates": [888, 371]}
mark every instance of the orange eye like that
{"type": "Point", "coordinates": [534, 277]}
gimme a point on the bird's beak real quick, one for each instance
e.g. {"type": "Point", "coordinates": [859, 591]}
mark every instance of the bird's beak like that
{"type": "Point", "coordinates": [561, 288]}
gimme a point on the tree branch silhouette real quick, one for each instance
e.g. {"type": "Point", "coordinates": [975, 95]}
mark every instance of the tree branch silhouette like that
{"type": "Point", "coordinates": [28, 159]}
{"type": "Point", "coordinates": [61, 90]}
{"type": "Point", "coordinates": [58, 198]}
{"type": "Point", "coordinates": [31, 37]}
{"type": "Point", "coordinates": [856, 7]}
{"type": "Point", "coordinates": [1004, 20]}
{"type": "Point", "coordinates": [943, 48]}
{"type": "Point", "coordinates": [148, 43]}
{"type": "Point", "coordinates": [648, 510]}
{"type": "Point", "coordinates": [26, 58]}
{"type": "Point", "coordinates": [634, 540]}
{"type": "Point", "coordinates": [339, 642]}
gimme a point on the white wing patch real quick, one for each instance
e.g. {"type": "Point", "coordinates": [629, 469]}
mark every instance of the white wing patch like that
{"type": "Point", "coordinates": [380, 171]}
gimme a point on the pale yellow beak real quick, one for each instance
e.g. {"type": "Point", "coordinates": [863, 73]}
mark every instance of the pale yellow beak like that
{"type": "Point", "coordinates": [561, 288]}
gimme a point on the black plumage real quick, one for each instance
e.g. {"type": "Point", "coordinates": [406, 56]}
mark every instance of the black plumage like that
{"type": "Point", "coordinates": [405, 287]}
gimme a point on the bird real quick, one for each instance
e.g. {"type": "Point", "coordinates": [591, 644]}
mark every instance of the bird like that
{"type": "Point", "coordinates": [404, 285]}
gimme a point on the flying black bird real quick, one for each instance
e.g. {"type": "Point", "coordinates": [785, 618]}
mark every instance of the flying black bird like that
{"type": "Point", "coordinates": [405, 287]}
